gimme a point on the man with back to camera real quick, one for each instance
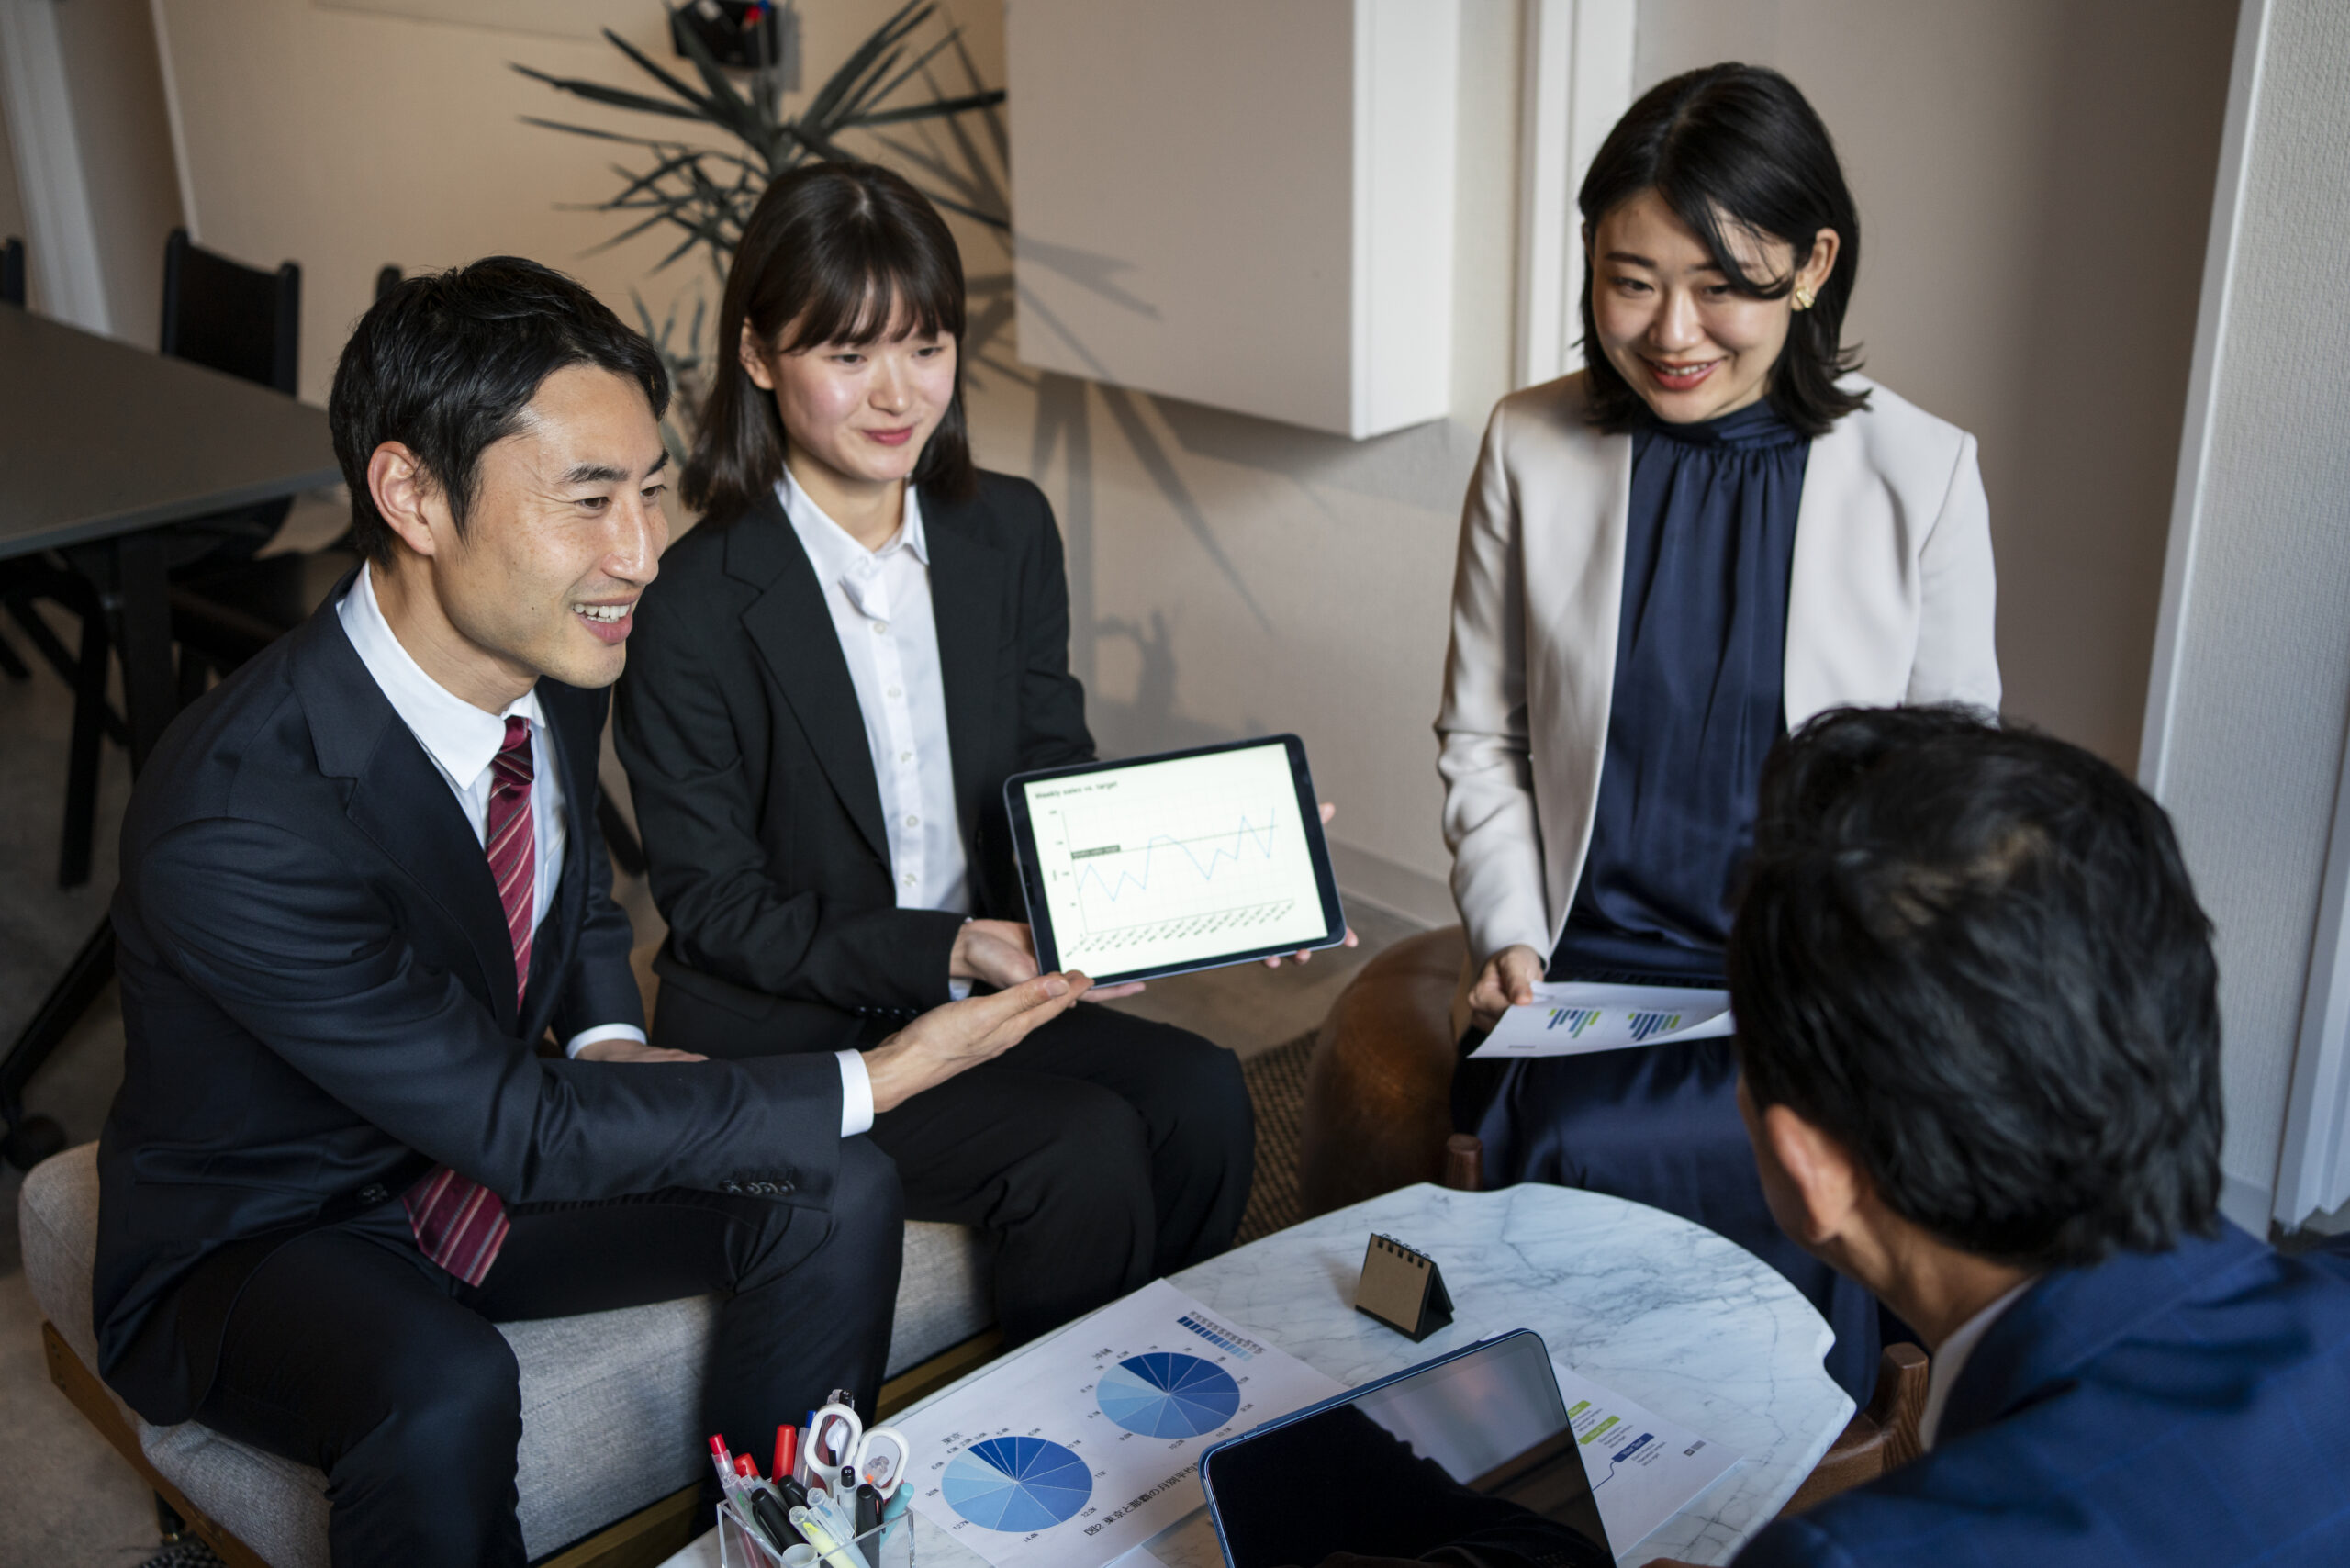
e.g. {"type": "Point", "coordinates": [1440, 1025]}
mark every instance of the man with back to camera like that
{"type": "Point", "coordinates": [360, 881]}
{"type": "Point", "coordinates": [1978, 1019]}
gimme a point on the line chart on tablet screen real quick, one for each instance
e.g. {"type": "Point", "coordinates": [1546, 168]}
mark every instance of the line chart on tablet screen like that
{"type": "Point", "coordinates": [1167, 861]}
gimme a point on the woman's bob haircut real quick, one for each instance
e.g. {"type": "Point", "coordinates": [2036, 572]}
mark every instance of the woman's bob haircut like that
{"type": "Point", "coordinates": [833, 253]}
{"type": "Point", "coordinates": [1736, 147]}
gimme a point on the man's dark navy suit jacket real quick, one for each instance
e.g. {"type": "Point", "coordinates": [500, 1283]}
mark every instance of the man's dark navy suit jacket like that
{"type": "Point", "coordinates": [2188, 1407]}
{"type": "Point", "coordinates": [317, 991]}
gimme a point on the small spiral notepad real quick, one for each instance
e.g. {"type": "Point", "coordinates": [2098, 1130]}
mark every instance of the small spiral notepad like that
{"type": "Point", "coordinates": [1403, 1288]}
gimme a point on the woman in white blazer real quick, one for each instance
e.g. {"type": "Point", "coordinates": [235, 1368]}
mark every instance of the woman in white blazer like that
{"type": "Point", "coordinates": [1712, 534]}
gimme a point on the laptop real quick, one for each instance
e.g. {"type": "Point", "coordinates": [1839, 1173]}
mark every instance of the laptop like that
{"type": "Point", "coordinates": [1472, 1451]}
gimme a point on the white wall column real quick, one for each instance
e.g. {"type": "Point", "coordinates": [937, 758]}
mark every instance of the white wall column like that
{"type": "Point", "coordinates": [2248, 708]}
{"type": "Point", "coordinates": [62, 239]}
{"type": "Point", "coordinates": [1578, 60]}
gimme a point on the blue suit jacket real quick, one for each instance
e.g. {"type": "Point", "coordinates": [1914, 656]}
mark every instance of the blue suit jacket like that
{"type": "Point", "coordinates": [318, 1005]}
{"type": "Point", "coordinates": [2188, 1407]}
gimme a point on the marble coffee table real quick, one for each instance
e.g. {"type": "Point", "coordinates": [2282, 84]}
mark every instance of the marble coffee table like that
{"type": "Point", "coordinates": [1662, 1311]}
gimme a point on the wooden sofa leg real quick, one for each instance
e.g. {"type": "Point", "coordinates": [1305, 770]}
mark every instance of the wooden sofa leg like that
{"type": "Point", "coordinates": [1465, 1162]}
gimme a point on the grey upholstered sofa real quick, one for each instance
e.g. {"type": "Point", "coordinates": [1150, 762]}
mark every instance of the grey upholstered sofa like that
{"type": "Point", "coordinates": [607, 1399]}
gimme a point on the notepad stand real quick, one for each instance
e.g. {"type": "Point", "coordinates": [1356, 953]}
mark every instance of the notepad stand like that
{"type": "Point", "coordinates": [1402, 1289]}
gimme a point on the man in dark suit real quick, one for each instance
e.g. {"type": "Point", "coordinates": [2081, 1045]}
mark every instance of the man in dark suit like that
{"type": "Point", "coordinates": [360, 882]}
{"type": "Point", "coordinates": [1979, 1022]}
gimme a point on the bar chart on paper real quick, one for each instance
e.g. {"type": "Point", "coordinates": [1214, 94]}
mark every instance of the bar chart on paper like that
{"type": "Point", "coordinates": [1167, 862]}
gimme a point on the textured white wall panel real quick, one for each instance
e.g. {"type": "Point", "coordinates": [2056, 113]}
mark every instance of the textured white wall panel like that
{"type": "Point", "coordinates": [2263, 671]}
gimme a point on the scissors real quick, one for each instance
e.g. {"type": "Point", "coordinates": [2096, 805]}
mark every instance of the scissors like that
{"type": "Point", "coordinates": [840, 1448]}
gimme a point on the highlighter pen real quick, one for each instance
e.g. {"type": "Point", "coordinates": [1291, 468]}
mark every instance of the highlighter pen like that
{"type": "Point", "coordinates": [837, 1518]}
{"type": "Point", "coordinates": [804, 1520]}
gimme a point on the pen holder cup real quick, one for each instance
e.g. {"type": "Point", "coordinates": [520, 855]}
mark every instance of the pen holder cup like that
{"type": "Point", "coordinates": [889, 1544]}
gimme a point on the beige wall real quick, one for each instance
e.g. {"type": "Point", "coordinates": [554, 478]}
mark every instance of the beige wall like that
{"type": "Point", "coordinates": [2034, 182]}
{"type": "Point", "coordinates": [116, 84]}
{"type": "Point", "coordinates": [1232, 575]}
{"type": "Point", "coordinates": [1229, 575]}
{"type": "Point", "coordinates": [345, 139]}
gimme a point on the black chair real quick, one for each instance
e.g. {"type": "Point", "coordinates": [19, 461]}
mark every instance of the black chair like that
{"type": "Point", "coordinates": [227, 603]}
{"type": "Point", "coordinates": [243, 322]}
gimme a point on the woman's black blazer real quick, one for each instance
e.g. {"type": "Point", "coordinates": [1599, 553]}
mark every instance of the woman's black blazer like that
{"type": "Point", "coordinates": [752, 782]}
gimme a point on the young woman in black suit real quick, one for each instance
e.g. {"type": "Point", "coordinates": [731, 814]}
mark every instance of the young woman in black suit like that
{"type": "Point", "coordinates": [827, 690]}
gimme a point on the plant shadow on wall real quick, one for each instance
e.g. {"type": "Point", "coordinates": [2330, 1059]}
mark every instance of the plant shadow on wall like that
{"type": "Point", "coordinates": [908, 96]}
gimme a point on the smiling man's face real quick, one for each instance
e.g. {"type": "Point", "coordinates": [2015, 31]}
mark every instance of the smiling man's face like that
{"type": "Point", "coordinates": [565, 532]}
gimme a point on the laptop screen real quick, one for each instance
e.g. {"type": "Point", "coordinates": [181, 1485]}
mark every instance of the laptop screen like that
{"type": "Point", "coordinates": [1472, 1451]}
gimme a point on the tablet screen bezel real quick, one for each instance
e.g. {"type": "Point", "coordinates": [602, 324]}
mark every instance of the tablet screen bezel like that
{"type": "Point", "coordinates": [1309, 814]}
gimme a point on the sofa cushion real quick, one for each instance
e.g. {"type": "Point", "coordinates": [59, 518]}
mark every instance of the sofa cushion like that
{"type": "Point", "coordinates": [609, 1398]}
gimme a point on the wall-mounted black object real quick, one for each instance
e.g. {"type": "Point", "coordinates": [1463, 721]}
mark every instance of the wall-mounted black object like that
{"type": "Point", "coordinates": [12, 273]}
{"type": "Point", "coordinates": [743, 35]}
{"type": "Point", "coordinates": [1402, 1289]}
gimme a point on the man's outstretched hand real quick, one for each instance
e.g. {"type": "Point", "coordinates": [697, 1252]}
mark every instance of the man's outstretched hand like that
{"type": "Point", "coordinates": [622, 1048]}
{"type": "Point", "coordinates": [945, 1040]}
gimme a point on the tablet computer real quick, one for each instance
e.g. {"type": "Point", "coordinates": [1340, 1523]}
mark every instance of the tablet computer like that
{"type": "Point", "coordinates": [1159, 865]}
{"type": "Point", "coordinates": [1472, 1450]}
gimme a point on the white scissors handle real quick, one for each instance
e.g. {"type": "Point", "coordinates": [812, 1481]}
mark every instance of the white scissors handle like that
{"type": "Point", "coordinates": [881, 1460]}
{"type": "Point", "coordinates": [835, 1437]}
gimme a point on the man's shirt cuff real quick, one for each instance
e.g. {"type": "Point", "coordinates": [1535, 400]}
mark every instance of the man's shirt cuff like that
{"type": "Point", "coordinates": [601, 1032]}
{"type": "Point", "coordinates": [856, 1094]}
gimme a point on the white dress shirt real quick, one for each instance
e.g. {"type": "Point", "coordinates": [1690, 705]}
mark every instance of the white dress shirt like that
{"type": "Point", "coordinates": [462, 742]}
{"type": "Point", "coordinates": [1942, 1374]}
{"type": "Point", "coordinates": [881, 612]}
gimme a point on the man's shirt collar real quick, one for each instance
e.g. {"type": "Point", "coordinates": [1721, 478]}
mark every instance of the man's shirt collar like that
{"type": "Point", "coordinates": [459, 737]}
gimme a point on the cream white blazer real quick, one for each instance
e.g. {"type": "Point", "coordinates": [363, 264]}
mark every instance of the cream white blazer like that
{"type": "Point", "coordinates": [1889, 601]}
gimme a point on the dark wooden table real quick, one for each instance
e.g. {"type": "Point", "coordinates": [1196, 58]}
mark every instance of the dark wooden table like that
{"type": "Point", "coordinates": [103, 447]}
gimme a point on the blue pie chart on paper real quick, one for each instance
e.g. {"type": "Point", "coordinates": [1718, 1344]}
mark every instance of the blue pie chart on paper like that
{"type": "Point", "coordinates": [1164, 1395]}
{"type": "Point", "coordinates": [1016, 1484]}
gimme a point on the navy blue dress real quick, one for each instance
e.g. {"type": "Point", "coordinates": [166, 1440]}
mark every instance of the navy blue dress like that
{"type": "Point", "coordinates": [1700, 651]}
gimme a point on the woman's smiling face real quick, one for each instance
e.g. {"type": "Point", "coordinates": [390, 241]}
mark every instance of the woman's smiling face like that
{"type": "Point", "coordinates": [1674, 326]}
{"type": "Point", "coordinates": [863, 411]}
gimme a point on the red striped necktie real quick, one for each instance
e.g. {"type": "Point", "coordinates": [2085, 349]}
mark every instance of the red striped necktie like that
{"type": "Point", "coordinates": [460, 1223]}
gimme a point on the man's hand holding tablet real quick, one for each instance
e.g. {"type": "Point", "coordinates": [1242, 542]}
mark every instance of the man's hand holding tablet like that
{"type": "Point", "coordinates": [1162, 865]}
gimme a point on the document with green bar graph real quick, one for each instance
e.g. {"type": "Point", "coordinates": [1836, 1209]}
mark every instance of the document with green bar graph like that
{"type": "Point", "coordinates": [1574, 1017]}
{"type": "Point", "coordinates": [1644, 1469]}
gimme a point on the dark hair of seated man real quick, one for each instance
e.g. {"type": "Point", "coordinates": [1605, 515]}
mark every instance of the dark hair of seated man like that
{"type": "Point", "coordinates": [1978, 1019]}
{"type": "Point", "coordinates": [1973, 958]}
